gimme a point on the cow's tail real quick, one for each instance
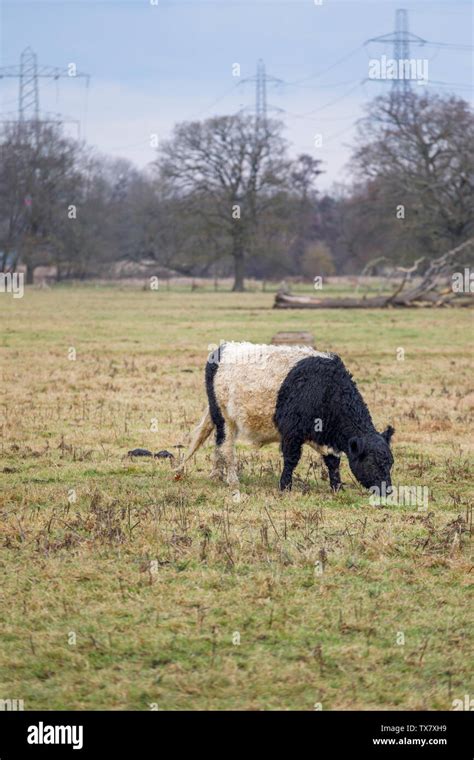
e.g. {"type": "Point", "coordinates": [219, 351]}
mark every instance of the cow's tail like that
{"type": "Point", "coordinates": [201, 434]}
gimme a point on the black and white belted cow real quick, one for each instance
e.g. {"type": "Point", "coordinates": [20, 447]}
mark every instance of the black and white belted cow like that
{"type": "Point", "coordinates": [291, 395]}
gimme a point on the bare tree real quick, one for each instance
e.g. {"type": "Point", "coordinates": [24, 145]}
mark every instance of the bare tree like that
{"type": "Point", "coordinates": [37, 179]}
{"type": "Point", "coordinates": [228, 167]}
{"type": "Point", "coordinates": [416, 155]}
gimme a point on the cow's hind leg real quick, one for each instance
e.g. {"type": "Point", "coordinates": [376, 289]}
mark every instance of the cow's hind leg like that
{"type": "Point", "coordinates": [228, 452]}
{"type": "Point", "coordinates": [218, 464]}
{"type": "Point", "coordinates": [332, 463]}
{"type": "Point", "coordinates": [291, 450]}
{"type": "Point", "coordinates": [222, 431]}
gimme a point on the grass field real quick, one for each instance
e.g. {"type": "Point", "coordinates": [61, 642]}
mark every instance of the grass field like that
{"type": "Point", "coordinates": [123, 588]}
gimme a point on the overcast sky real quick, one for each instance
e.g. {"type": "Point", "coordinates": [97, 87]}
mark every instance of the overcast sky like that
{"type": "Point", "coordinates": [154, 65]}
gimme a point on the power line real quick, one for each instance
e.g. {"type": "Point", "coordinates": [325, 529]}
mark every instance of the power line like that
{"type": "Point", "coordinates": [217, 100]}
{"type": "Point", "coordinates": [458, 85]}
{"type": "Point", "coordinates": [321, 86]}
{"type": "Point", "coordinates": [329, 68]}
{"type": "Point", "coordinates": [450, 45]}
{"type": "Point", "coordinates": [335, 100]}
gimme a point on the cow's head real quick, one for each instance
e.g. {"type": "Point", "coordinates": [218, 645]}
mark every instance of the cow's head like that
{"type": "Point", "coordinates": [371, 460]}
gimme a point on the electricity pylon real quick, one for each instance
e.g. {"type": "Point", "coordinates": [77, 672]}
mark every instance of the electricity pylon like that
{"type": "Point", "coordinates": [261, 108]}
{"type": "Point", "coordinates": [28, 73]}
{"type": "Point", "coordinates": [400, 39]}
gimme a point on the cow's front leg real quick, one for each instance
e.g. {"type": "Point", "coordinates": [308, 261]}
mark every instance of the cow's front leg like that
{"type": "Point", "coordinates": [291, 451]}
{"type": "Point", "coordinates": [332, 463]}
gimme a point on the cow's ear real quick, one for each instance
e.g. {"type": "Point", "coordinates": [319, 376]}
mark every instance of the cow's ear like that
{"type": "Point", "coordinates": [387, 434]}
{"type": "Point", "coordinates": [356, 446]}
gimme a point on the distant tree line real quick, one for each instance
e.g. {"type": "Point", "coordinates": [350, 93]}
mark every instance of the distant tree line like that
{"type": "Point", "coordinates": [224, 197]}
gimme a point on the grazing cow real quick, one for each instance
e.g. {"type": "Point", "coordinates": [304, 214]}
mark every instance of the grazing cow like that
{"type": "Point", "coordinates": [293, 395]}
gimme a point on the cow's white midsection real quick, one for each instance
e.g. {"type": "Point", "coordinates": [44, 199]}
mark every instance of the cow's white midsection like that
{"type": "Point", "coordinates": [247, 383]}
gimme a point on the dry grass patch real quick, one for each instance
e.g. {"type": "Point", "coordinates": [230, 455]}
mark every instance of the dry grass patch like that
{"type": "Point", "coordinates": [123, 588]}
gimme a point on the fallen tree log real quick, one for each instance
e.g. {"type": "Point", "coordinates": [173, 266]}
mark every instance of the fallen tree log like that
{"type": "Point", "coordinates": [427, 293]}
{"type": "Point", "coordinates": [284, 301]}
